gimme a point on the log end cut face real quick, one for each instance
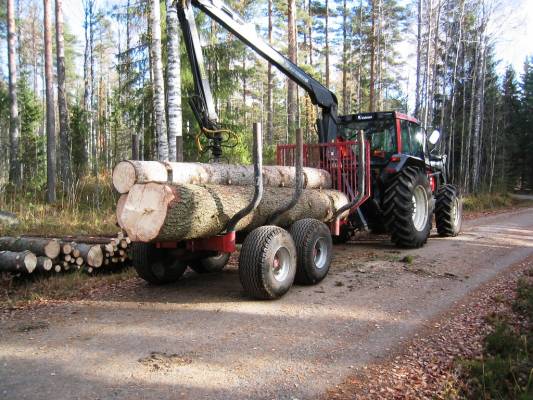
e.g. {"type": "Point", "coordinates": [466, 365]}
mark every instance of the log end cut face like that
{"type": "Point", "coordinates": [124, 176]}
{"type": "Point", "coordinates": [145, 211]}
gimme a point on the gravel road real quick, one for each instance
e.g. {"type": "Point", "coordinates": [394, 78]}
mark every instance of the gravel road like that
{"type": "Point", "coordinates": [200, 338]}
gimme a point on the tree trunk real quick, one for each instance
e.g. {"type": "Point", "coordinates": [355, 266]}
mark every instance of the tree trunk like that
{"type": "Point", "coordinates": [175, 135]}
{"type": "Point", "coordinates": [372, 95]}
{"type": "Point", "coordinates": [65, 170]}
{"type": "Point", "coordinates": [90, 254]}
{"type": "Point", "coordinates": [159, 87]}
{"type": "Point", "coordinates": [177, 212]}
{"type": "Point", "coordinates": [326, 44]}
{"type": "Point", "coordinates": [345, 100]}
{"type": "Point", "coordinates": [41, 247]}
{"type": "Point", "coordinates": [15, 173]}
{"type": "Point", "coordinates": [24, 261]}
{"type": "Point", "coordinates": [128, 173]}
{"type": "Point", "coordinates": [50, 111]}
{"type": "Point", "coordinates": [270, 83]}
{"type": "Point", "coordinates": [291, 85]}
{"type": "Point", "coordinates": [418, 58]}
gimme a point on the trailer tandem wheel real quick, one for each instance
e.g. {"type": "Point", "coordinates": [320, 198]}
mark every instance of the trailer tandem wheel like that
{"type": "Point", "coordinates": [267, 262]}
{"type": "Point", "coordinates": [210, 264]}
{"type": "Point", "coordinates": [156, 266]}
{"type": "Point", "coordinates": [314, 250]}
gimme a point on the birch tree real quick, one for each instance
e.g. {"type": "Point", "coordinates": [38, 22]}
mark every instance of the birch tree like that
{"type": "Point", "coordinates": [175, 137]}
{"type": "Point", "coordinates": [158, 83]}
{"type": "Point", "coordinates": [15, 173]}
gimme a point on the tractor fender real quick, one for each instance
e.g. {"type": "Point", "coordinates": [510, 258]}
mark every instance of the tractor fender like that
{"type": "Point", "coordinates": [398, 162]}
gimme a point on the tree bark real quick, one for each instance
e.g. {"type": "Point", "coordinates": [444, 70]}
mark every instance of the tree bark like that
{"type": "Point", "coordinates": [372, 92]}
{"type": "Point", "coordinates": [128, 173]}
{"type": "Point", "coordinates": [270, 84]}
{"type": "Point", "coordinates": [50, 112]}
{"type": "Point", "coordinates": [24, 261]}
{"type": "Point", "coordinates": [326, 44]}
{"type": "Point", "coordinates": [159, 87]}
{"type": "Point", "coordinates": [175, 135]}
{"type": "Point", "coordinates": [15, 173]}
{"type": "Point", "coordinates": [90, 254]}
{"type": "Point", "coordinates": [44, 264]}
{"type": "Point", "coordinates": [418, 58]}
{"type": "Point", "coordinates": [41, 247]}
{"type": "Point", "coordinates": [65, 169]}
{"type": "Point", "coordinates": [345, 45]}
{"type": "Point", "coordinates": [177, 212]}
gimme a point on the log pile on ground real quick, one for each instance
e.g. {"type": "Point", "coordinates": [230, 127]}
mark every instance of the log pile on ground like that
{"type": "Point", "coordinates": [24, 255]}
{"type": "Point", "coordinates": [190, 200]}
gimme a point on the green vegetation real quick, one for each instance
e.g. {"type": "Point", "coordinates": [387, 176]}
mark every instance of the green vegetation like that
{"type": "Point", "coordinates": [87, 209]}
{"type": "Point", "coordinates": [491, 201]}
{"type": "Point", "coordinates": [506, 369]}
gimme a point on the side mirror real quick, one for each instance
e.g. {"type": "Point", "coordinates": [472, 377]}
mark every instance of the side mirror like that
{"type": "Point", "coordinates": [434, 137]}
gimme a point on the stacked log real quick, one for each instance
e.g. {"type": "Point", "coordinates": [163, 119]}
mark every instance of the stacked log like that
{"type": "Point", "coordinates": [179, 201]}
{"type": "Point", "coordinates": [54, 255]}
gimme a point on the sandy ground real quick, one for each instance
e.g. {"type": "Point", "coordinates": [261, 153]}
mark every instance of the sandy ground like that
{"type": "Point", "coordinates": [201, 338]}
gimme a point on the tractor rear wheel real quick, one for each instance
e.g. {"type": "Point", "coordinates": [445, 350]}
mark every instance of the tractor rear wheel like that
{"type": "Point", "coordinates": [210, 264]}
{"type": "Point", "coordinates": [267, 263]}
{"type": "Point", "coordinates": [408, 207]}
{"type": "Point", "coordinates": [314, 249]}
{"type": "Point", "coordinates": [156, 266]}
{"type": "Point", "coordinates": [448, 211]}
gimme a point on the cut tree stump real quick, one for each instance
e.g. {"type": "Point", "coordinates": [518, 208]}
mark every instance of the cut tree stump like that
{"type": "Point", "coordinates": [24, 261]}
{"type": "Point", "coordinates": [177, 212]}
{"type": "Point", "coordinates": [40, 247]}
{"type": "Point", "coordinates": [127, 173]}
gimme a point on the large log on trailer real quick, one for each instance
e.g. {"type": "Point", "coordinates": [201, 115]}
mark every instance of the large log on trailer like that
{"type": "Point", "coordinates": [41, 247]}
{"type": "Point", "coordinates": [128, 173]}
{"type": "Point", "coordinates": [162, 212]}
{"type": "Point", "coordinates": [24, 261]}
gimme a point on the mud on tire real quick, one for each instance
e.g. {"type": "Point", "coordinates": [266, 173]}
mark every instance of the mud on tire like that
{"type": "Point", "coordinates": [267, 263]}
{"type": "Point", "coordinates": [408, 207]}
{"type": "Point", "coordinates": [448, 211]}
{"type": "Point", "coordinates": [156, 266]}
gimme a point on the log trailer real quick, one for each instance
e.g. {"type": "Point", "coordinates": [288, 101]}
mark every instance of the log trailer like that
{"type": "Point", "coordinates": [380, 161]}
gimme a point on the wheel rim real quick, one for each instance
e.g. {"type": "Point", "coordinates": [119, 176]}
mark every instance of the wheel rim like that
{"type": "Point", "coordinates": [320, 253]}
{"type": "Point", "coordinates": [420, 208]}
{"type": "Point", "coordinates": [456, 213]}
{"type": "Point", "coordinates": [281, 264]}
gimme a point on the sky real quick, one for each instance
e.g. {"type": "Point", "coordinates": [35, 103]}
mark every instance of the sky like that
{"type": "Point", "coordinates": [513, 31]}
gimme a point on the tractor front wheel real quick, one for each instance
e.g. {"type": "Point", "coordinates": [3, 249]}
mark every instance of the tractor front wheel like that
{"type": "Point", "coordinates": [408, 207]}
{"type": "Point", "coordinates": [448, 211]}
{"type": "Point", "coordinates": [156, 266]}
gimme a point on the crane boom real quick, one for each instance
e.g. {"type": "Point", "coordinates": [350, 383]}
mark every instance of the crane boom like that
{"type": "Point", "coordinates": [203, 104]}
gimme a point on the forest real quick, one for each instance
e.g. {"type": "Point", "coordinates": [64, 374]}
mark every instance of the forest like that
{"type": "Point", "coordinates": [72, 106]}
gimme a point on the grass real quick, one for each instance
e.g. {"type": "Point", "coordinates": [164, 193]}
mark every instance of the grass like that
{"type": "Point", "coordinates": [506, 369]}
{"type": "Point", "coordinates": [64, 286]}
{"type": "Point", "coordinates": [87, 208]}
{"type": "Point", "coordinates": [491, 201]}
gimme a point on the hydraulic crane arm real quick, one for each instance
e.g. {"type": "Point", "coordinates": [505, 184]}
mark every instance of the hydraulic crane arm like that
{"type": "Point", "coordinates": [203, 105]}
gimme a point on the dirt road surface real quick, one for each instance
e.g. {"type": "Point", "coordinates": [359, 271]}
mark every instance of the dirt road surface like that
{"type": "Point", "coordinates": [200, 338]}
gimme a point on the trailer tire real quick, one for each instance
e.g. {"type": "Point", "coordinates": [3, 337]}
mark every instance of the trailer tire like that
{"type": "Point", "coordinates": [408, 207]}
{"type": "Point", "coordinates": [344, 236]}
{"type": "Point", "coordinates": [156, 266]}
{"type": "Point", "coordinates": [314, 249]}
{"type": "Point", "coordinates": [208, 265]}
{"type": "Point", "coordinates": [267, 263]}
{"type": "Point", "coordinates": [448, 211]}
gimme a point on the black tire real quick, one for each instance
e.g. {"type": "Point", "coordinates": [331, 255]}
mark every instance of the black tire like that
{"type": "Point", "coordinates": [399, 211]}
{"type": "Point", "coordinates": [156, 266]}
{"type": "Point", "coordinates": [448, 211]}
{"type": "Point", "coordinates": [208, 265]}
{"type": "Point", "coordinates": [259, 263]}
{"type": "Point", "coordinates": [314, 250]}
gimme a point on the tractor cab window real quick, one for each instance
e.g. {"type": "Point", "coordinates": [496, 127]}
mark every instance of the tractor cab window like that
{"type": "Point", "coordinates": [380, 133]}
{"type": "Point", "coordinates": [417, 140]}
